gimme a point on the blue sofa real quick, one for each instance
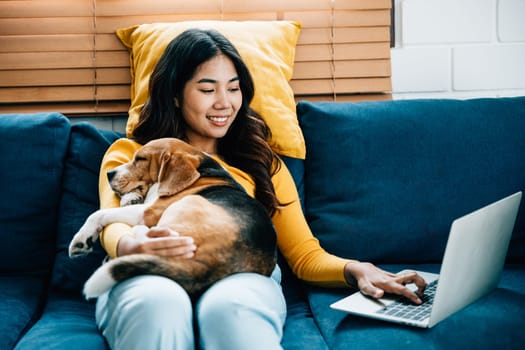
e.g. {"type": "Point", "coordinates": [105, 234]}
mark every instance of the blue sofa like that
{"type": "Point", "coordinates": [382, 182]}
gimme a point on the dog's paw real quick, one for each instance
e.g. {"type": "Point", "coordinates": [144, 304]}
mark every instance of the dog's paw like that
{"type": "Point", "coordinates": [131, 198]}
{"type": "Point", "coordinates": [78, 247]}
{"type": "Point", "coordinates": [83, 241]}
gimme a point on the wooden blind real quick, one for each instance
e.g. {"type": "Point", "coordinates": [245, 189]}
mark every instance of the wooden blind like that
{"type": "Point", "coordinates": [64, 55]}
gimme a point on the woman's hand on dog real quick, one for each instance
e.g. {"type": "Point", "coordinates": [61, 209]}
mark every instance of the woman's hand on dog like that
{"type": "Point", "coordinates": [160, 241]}
{"type": "Point", "coordinates": [375, 282]}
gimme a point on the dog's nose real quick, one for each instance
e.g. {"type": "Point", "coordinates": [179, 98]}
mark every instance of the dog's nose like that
{"type": "Point", "coordinates": [111, 174]}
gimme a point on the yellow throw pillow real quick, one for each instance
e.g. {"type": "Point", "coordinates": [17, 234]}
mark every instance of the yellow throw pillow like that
{"type": "Point", "coordinates": [267, 48]}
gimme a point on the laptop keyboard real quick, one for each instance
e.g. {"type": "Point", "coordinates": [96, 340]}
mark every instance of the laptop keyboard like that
{"type": "Point", "coordinates": [406, 309]}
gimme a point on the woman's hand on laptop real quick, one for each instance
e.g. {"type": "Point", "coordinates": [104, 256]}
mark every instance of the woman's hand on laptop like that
{"type": "Point", "coordinates": [375, 282]}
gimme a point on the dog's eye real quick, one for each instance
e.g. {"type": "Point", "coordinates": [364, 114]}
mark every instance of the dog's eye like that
{"type": "Point", "coordinates": [139, 159]}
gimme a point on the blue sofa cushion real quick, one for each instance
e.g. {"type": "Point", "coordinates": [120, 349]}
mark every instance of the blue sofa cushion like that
{"type": "Point", "coordinates": [67, 323]}
{"type": "Point", "coordinates": [20, 306]}
{"type": "Point", "coordinates": [384, 180]}
{"type": "Point", "coordinates": [300, 327]}
{"type": "Point", "coordinates": [296, 168]}
{"type": "Point", "coordinates": [79, 199]}
{"type": "Point", "coordinates": [33, 149]}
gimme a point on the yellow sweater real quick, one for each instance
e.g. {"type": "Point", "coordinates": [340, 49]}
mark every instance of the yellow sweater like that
{"type": "Point", "coordinates": [295, 240]}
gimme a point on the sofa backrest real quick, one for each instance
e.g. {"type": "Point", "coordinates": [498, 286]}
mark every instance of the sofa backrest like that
{"type": "Point", "coordinates": [32, 148]}
{"type": "Point", "coordinates": [79, 198]}
{"type": "Point", "coordinates": [384, 180]}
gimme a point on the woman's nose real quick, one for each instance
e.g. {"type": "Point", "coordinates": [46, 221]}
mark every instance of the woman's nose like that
{"type": "Point", "coordinates": [222, 100]}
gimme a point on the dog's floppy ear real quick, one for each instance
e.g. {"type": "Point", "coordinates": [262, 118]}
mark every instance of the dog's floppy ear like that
{"type": "Point", "coordinates": [178, 171]}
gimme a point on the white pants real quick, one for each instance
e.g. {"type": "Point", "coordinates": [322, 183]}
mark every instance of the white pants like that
{"type": "Point", "coordinates": [242, 311]}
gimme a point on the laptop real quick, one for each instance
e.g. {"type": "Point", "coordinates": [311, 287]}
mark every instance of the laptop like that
{"type": "Point", "coordinates": [471, 267]}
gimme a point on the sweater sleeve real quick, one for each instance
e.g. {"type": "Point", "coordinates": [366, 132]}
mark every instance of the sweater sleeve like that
{"type": "Point", "coordinates": [120, 152]}
{"type": "Point", "coordinates": [303, 252]}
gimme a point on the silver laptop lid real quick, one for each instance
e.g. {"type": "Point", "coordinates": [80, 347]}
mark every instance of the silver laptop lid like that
{"type": "Point", "coordinates": [474, 256]}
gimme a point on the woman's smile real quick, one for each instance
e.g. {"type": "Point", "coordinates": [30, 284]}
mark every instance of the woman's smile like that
{"type": "Point", "coordinates": [218, 120]}
{"type": "Point", "coordinates": [211, 101]}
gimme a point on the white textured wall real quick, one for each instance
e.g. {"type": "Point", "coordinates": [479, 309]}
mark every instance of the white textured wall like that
{"type": "Point", "coordinates": [459, 48]}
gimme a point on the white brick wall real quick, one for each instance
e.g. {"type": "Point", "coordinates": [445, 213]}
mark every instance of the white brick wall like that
{"type": "Point", "coordinates": [489, 67]}
{"type": "Point", "coordinates": [446, 21]}
{"type": "Point", "coordinates": [511, 20]}
{"type": "Point", "coordinates": [425, 68]}
{"type": "Point", "coordinates": [459, 48]}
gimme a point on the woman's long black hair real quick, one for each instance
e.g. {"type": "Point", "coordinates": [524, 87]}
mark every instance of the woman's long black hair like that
{"type": "Point", "coordinates": [245, 145]}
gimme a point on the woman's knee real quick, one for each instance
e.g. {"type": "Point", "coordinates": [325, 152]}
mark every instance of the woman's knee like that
{"type": "Point", "coordinates": [150, 295]}
{"type": "Point", "coordinates": [144, 301]}
{"type": "Point", "coordinates": [146, 310]}
{"type": "Point", "coordinates": [239, 303]}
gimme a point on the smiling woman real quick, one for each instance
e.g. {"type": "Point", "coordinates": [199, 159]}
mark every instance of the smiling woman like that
{"type": "Point", "coordinates": [200, 92]}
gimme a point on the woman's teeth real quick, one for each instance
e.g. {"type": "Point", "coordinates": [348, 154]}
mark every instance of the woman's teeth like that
{"type": "Point", "coordinates": [218, 119]}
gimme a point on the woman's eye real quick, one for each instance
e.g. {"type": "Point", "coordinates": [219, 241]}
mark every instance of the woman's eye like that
{"type": "Point", "coordinates": [207, 91]}
{"type": "Point", "coordinates": [235, 89]}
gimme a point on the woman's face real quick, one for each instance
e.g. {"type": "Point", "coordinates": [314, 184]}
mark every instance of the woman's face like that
{"type": "Point", "coordinates": [211, 101]}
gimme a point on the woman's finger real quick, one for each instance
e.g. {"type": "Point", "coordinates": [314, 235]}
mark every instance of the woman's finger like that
{"type": "Point", "coordinates": [370, 290]}
{"type": "Point", "coordinates": [157, 231]}
{"type": "Point", "coordinates": [412, 277]}
{"type": "Point", "coordinates": [170, 246]}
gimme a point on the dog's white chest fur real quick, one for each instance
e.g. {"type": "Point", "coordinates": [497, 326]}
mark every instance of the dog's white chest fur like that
{"type": "Point", "coordinates": [153, 193]}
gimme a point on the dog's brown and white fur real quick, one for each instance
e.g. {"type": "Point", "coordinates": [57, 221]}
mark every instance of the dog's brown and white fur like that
{"type": "Point", "coordinates": [192, 194]}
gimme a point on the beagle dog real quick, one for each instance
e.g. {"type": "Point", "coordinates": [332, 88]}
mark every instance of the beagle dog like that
{"type": "Point", "coordinates": [170, 183]}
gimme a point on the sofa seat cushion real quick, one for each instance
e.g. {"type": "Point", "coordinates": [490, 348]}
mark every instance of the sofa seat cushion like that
{"type": "Point", "coordinates": [20, 305]}
{"type": "Point", "coordinates": [300, 330]}
{"type": "Point", "coordinates": [33, 149]}
{"type": "Point", "coordinates": [493, 322]}
{"type": "Point", "coordinates": [384, 180]}
{"type": "Point", "coordinates": [79, 199]}
{"type": "Point", "coordinates": [67, 323]}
